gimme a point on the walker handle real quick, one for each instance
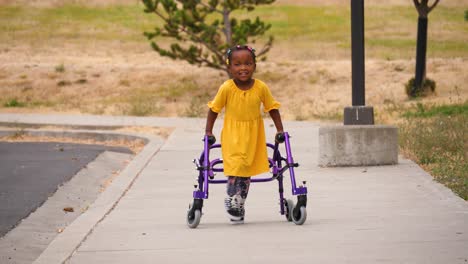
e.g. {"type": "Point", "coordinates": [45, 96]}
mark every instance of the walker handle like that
{"type": "Point", "coordinates": [279, 137]}
{"type": "Point", "coordinates": [211, 140]}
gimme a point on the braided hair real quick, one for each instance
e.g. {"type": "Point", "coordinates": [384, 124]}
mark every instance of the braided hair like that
{"type": "Point", "coordinates": [240, 47]}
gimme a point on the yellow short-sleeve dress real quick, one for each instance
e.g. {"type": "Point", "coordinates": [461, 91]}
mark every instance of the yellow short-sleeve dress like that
{"type": "Point", "coordinates": [243, 143]}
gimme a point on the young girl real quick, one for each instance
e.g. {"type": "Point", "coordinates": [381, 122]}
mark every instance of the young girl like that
{"type": "Point", "coordinates": [243, 143]}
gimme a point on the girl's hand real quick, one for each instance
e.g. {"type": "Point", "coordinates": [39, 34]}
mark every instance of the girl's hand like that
{"type": "Point", "coordinates": [211, 138]}
{"type": "Point", "coordinates": [279, 137]}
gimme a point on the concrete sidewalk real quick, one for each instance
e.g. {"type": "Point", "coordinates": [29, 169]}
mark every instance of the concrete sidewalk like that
{"type": "Point", "coordinates": [387, 214]}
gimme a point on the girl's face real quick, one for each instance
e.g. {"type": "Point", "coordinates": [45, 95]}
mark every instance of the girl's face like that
{"type": "Point", "coordinates": [242, 65]}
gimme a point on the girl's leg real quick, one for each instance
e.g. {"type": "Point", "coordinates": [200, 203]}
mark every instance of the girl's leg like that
{"type": "Point", "coordinates": [237, 189]}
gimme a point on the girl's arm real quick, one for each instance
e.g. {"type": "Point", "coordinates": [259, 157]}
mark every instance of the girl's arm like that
{"type": "Point", "coordinates": [210, 120]}
{"type": "Point", "coordinates": [275, 115]}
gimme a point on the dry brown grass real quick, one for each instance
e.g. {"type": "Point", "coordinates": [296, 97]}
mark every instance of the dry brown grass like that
{"type": "Point", "coordinates": [279, 2]}
{"type": "Point", "coordinates": [124, 84]}
{"type": "Point", "coordinates": [49, 3]}
{"type": "Point", "coordinates": [127, 78]}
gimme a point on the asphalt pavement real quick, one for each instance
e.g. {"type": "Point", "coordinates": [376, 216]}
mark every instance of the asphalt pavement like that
{"type": "Point", "coordinates": [381, 214]}
{"type": "Point", "coordinates": [32, 171]}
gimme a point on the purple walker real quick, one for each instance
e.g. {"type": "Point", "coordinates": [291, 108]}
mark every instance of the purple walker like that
{"type": "Point", "coordinates": [295, 213]}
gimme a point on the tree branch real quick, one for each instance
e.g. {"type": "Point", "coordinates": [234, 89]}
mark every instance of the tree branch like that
{"type": "Point", "coordinates": [266, 48]}
{"type": "Point", "coordinates": [203, 41]}
{"type": "Point", "coordinates": [433, 5]}
{"type": "Point", "coordinates": [192, 35]}
{"type": "Point", "coordinates": [161, 16]}
{"type": "Point", "coordinates": [211, 8]}
{"type": "Point", "coordinates": [199, 40]}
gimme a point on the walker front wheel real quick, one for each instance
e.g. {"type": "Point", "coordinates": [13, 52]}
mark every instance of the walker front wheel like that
{"type": "Point", "coordinates": [299, 215]}
{"type": "Point", "coordinates": [193, 218]}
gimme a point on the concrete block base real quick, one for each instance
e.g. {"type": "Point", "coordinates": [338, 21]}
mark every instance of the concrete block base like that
{"type": "Point", "coordinates": [360, 145]}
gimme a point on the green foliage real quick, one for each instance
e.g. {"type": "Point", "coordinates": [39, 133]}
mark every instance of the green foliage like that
{"type": "Point", "coordinates": [204, 30]}
{"type": "Point", "coordinates": [14, 103]}
{"type": "Point", "coordinates": [428, 86]}
{"type": "Point", "coordinates": [60, 68]}
{"type": "Point", "coordinates": [466, 15]}
{"type": "Point", "coordinates": [438, 142]}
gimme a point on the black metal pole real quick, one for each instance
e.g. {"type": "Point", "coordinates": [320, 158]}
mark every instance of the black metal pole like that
{"type": "Point", "coordinates": [357, 52]}
{"type": "Point", "coordinates": [358, 113]}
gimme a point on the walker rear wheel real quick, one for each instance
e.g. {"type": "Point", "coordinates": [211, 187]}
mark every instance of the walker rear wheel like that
{"type": "Point", "coordinates": [289, 205]}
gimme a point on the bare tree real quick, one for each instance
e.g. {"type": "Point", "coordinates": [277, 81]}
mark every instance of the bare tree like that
{"type": "Point", "coordinates": [424, 8]}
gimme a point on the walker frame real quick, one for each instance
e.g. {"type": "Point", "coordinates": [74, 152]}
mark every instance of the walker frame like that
{"type": "Point", "coordinates": [206, 176]}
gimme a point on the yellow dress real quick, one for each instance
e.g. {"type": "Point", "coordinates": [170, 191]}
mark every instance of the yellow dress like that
{"type": "Point", "coordinates": [243, 143]}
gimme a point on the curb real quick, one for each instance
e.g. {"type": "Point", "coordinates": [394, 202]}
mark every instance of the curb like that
{"type": "Point", "coordinates": [97, 135]}
{"type": "Point", "coordinates": [66, 243]}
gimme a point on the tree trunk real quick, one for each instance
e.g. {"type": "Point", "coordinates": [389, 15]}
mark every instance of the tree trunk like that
{"type": "Point", "coordinates": [227, 26]}
{"type": "Point", "coordinates": [421, 47]}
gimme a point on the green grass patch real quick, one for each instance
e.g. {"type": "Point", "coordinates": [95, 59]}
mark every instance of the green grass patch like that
{"type": "Point", "coordinates": [390, 30]}
{"type": "Point", "coordinates": [126, 22]}
{"type": "Point", "coordinates": [438, 110]}
{"type": "Point", "coordinates": [60, 68]}
{"type": "Point", "coordinates": [197, 106]}
{"type": "Point", "coordinates": [14, 103]}
{"type": "Point", "coordinates": [396, 43]}
{"type": "Point", "coordinates": [436, 138]}
{"type": "Point", "coordinates": [176, 90]}
{"type": "Point", "coordinates": [142, 103]}
{"type": "Point", "coordinates": [306, 22]}
{"type": "Point", "coordinates": [329, 116]}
